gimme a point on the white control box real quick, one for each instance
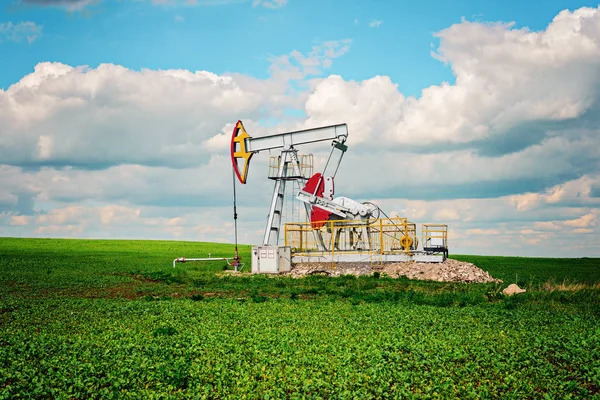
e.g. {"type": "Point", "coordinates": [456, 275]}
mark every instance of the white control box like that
{"type": "Point", "coordinates": [271, 259]}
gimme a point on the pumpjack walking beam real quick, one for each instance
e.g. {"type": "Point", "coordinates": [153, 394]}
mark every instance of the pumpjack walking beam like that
{"type": "Point", "coordinates": [243, 147]}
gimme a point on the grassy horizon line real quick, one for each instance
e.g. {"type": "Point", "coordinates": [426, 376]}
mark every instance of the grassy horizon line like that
{"type": "Point", "coordinates": [451, 255]}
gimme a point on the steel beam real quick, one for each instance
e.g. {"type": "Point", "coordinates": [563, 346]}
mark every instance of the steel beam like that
{"type": "Point", "coordinates": [291, 139]}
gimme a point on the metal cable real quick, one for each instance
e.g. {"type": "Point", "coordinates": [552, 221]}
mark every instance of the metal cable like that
{"type": "Point", "coordinates": [237, 256]}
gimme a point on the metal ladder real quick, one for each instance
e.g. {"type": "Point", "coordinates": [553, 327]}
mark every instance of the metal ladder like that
{"type": "Point", "coordinates": [276, 210]}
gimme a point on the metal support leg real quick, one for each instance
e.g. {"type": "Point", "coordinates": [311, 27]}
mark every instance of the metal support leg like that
{"type": "Point", "coordinates": [276, 210]}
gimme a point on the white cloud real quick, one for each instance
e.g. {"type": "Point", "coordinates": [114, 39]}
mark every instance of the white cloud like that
{"type": "Point", "coordinates": [296, 66]}
{"type": "Point", "coordinates": [78, 5]}
{"type": "Point", "coordinates": [197, 2]}
{"type": "Point", "coordinates": [584, 221]}
{"type": "Point", "coordinates": [125, 195]}
{"type": "Point", "coordinates": [446, 214]}
{"type": "Point", "coordinates": [375, 23]}
{"type": "Point", "coordinates": [111, 115]}
{"type": "Point", "coordinates": [70, 5]}
{"type": "Point", "coordinates": [502, 83]}
{"type": "Point", "coordinates": [269, 3]}
{"type": "Point", "coordinates": [20, 220]}
{"type": "Point", "coordinates": [526, 201]}
{"type": "Point", "coordinates": [546, 226]}
{"type": "Point", "coordinates": [484, 232]}
{"type": "Point", "coordinates": [20, 31]}
{"type": "Point", "coordinates": [577, 192]}
{"type": "Point", "coordinates": [110, 221]}
{"type": "Point", "coordinates": [62, 216]}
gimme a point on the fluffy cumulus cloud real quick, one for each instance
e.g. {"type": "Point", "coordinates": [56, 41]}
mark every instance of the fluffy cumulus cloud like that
{"type": "Point", "coordinates": [514, 88]}
{"type": "Point", "coordinates": [96, 118]}
{"type": "Point", "coordinates": [507, 155]}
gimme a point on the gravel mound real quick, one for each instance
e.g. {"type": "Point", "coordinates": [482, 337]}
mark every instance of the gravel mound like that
{"type": "Point", "coordinates": [448, 271]}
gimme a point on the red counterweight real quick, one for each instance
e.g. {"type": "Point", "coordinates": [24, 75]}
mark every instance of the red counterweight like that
{"type": "Point", "coordinates": [316, 186]}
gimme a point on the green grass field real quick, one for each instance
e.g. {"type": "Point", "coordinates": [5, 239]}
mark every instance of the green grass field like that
{"type": "Point", "coordinates": [113, 319]}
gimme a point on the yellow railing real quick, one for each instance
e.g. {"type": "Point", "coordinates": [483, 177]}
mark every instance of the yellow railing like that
{"type": "Point", "coordinates": [306, 162]}
{"type": "Point", "coordinates": [434, 236]}
{"type": "Point", "coordinates": [372, 237]}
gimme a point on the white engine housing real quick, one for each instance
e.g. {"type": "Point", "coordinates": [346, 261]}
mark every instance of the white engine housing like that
{"type": "Point", "coordinates": [356, 208]}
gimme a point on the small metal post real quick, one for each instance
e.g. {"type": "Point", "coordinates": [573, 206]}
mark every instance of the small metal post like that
{"type": "Point", "coordinates": [332, 242]}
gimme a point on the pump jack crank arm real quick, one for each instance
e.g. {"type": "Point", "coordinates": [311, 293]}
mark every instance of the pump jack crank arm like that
{"type": "Point", "coordinates": [323, 203]}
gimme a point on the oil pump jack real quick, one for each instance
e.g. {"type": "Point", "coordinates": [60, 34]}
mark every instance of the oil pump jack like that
{"type": "Point", "coordinates": [349, 225]}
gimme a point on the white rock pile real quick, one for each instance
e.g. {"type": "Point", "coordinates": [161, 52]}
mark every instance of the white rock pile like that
{"type": "Point", "coordinates": [448, 271]}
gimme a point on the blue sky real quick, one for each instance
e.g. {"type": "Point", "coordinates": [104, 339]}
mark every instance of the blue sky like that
{"type": "Point", "coordinates": [482, 115]}
{"type": "Point", "coordinates": [235, 36]}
